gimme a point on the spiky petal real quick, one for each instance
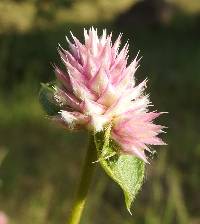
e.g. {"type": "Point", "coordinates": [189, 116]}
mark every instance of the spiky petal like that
{"type": "Point", "coordinates": [98, 88]}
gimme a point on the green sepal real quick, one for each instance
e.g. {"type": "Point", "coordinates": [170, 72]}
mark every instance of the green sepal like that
{"type": "Point", "coordinates": [126, 170]}
{"type": "Point", "coordinates": [46, 98]}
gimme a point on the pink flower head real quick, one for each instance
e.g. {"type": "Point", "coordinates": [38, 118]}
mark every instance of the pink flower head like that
{"type": "Point", "coordinates": [3, 218]}
{"type": "Point", "coordinates": [98, 87]}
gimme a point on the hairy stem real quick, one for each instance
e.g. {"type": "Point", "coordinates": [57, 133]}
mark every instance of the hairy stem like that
{"type": "Point", "coordinates": [85, 179]}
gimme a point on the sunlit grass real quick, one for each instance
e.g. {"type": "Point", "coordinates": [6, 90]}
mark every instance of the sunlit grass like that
{"type": "Point", "coordinates": [24, 15]}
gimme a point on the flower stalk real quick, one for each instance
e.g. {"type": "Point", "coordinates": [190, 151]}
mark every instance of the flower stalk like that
{"type": "Point", "coordinates": [85, 180]}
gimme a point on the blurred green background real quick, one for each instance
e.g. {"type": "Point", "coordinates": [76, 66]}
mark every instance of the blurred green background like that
{"type": "Point", "coordinates": [40, 163]}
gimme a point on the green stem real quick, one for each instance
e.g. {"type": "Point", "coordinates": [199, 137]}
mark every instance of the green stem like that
{"type": "Point", "coordinates": [84, 184]}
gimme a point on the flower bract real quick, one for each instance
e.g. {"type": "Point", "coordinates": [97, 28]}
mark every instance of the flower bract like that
{"type": "Point", "coordinates": [97, 87]}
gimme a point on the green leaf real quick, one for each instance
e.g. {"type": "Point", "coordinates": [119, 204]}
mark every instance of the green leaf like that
{"type": "Point", "coordinates": [47, 100]}
{"type": "Point", "coordinates": [126, 170]}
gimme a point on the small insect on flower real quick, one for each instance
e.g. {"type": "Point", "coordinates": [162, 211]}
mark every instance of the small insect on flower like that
{"type": "Point", "coordinates": [98, 87]}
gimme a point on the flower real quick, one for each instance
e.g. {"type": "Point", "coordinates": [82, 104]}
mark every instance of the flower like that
{"type": "Point", "coordinates": [97, 87]}
{"type": "Point", "coordinates": [3, 218]}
